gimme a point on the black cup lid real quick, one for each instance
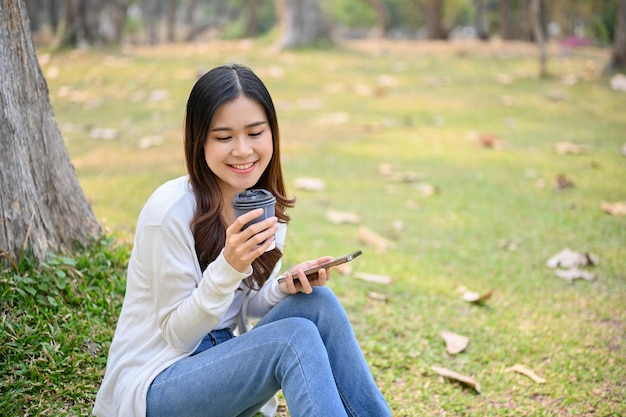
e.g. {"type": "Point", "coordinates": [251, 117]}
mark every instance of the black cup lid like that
{"type": "Point", "coordinates": [253, 197]}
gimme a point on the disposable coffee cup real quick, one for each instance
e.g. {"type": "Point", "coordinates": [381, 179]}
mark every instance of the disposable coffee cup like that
{"type": "Point", "coordinates": [254, 199]}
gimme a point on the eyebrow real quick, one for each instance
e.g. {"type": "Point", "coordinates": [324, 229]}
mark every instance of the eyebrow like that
{"type": "Point", "coordinates": [254, 124]}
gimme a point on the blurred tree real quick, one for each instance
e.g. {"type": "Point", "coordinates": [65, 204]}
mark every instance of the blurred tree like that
{"type": "Point", "coordinates": [150, 13]}
{"type": "Point", "coordinates": [433, 13]}
{"type": "Point", "coordinates": [42, 206]}
{"type": "Point", "coordinates": [170, 19]}
{"type": "Point", "coordinates": [303, 23]}
{"type": "Point", "coordinates": [536, 13]}
{"type": "Point", "coordinates": [382, 18]}
{"type": "Point", "coordinates": [480, 20]}
{"type": "Point", "coordinates": [618, 54]}
{"type": "Point", "coordinates": [93, 22]}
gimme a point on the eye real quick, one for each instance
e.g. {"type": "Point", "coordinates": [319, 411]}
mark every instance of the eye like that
{"type": "Point", "coordinates": [223, 139]}
{"type": "Point", "coordinates": [255, 134]}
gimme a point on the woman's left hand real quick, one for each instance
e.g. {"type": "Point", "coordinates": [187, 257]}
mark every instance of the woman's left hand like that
{"type": "Point", "coordinates": [296, 281]}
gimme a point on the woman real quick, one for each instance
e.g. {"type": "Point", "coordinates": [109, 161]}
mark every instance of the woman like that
{"type": "Point", "coordinates": [195, 277]}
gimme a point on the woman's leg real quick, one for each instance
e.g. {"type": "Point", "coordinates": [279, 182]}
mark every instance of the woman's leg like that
{"type": "Point", "coordinates": [354, 380]}
{"type": "Point", "coordinates": [234, 377]}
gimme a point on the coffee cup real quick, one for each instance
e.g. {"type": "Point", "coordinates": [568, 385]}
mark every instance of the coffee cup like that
{"type": "Point", "coordinates": [254, 199]}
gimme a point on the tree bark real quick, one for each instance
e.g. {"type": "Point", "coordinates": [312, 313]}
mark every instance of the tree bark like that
{"type": "Point", "coordinates": [433, 10]}
{"type": "Point", "coordinates": [303, 23]}
{"type": "Point", "coordinates": [506, 22]}
{"type": "Point", "coordinates": [618, 53]}
{"type": "Point", "coordinates": [480, 20]}
{"type": "Point", "coordinates": [170, 20]}
{"type": "Point", "coordinates": [540, 37]}
{"type": "Point", "coordinates": [42, 206]}
{"type": "Point", "coordinates": [382, 18]}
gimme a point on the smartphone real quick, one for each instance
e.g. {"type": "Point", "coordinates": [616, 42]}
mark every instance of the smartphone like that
{"type": "Point", "coordinates": [337, 261]}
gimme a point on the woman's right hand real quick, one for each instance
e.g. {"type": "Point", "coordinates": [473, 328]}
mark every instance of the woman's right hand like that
{"type": "Point", "coordinates": [244, 246]}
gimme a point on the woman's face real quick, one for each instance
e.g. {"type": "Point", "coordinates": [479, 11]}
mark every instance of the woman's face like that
{"type": "Point", "coordinates": [239, 145]}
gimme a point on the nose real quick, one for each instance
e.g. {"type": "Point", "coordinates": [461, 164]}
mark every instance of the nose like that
{"type": "Point", "coordinates": [242, 147]}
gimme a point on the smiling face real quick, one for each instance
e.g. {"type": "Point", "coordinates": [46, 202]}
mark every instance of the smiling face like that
{"type": "Point", "coordinates": [238, 146]}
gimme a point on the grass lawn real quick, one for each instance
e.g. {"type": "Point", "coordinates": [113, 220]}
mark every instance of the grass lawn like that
{"type": "Point", "coordinates": [447, 154]}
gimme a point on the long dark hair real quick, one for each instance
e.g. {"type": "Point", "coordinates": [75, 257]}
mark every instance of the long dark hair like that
{"type": "Point", "coordinates": [215, 88]}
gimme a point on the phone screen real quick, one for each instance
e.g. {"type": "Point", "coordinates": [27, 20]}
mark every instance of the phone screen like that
{"type": "Point", "coordinates": [337, 261]}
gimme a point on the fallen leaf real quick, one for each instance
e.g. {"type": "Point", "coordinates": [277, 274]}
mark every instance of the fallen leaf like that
{"type": "Point", "coordinates": [407, 176]}
{"type": "Point", "coordinates": [371, 238]}
{"type": "Point", "coordinates": [338, 217]}
{"type": "Point", "coordinates": [573, 274]}
{"type": "Point", "coordinates": [476, 298]}
{"type": "Point", "coordinates": [557, 95]}
{"type": "Point", "coordinates": [377, 296]}
{"type": "Point", "coordinates": [614, 209]}
{"type": "Point", "coordinates": [465, 380]}
{"type": "Point", "coordinates": [455, 343]}
{"type": "Point", "coordinates": [377, 279]}
{"type": "Point", "coordinates": [564, 148]}
{"type": "Point", "coordinates": [562, 182]}
{"type": "Point", "coordinates": [309, 184]}
{"type": "Point", "coordinates": [521, 369]}
{"type": "Point", "coordinates": [568, 259]}
{"type": "Point", "coordinates": [103, 133]}
{"type": "Point", "coordinates": [488, 140]}
{"type": "Point", "coordinates": [618, 82]}
{"type": "Point", "coordinates": [385, 170]}
{"type": "Point", "coordinates": [426, 190]}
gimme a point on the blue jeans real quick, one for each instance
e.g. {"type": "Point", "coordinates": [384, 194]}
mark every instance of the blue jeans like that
{"type": "Point", "coordinates": [305, 346]}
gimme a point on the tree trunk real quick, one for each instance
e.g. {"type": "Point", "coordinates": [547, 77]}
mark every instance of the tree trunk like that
{"type": "Point", "coordinates": [43, 206]}
{"type": "Point", "coordinates": [170, 20]}
{"type": "Point", "coordinates": [252, 18]}
{"type": "Point", "coordinates": [382, 18]}
{"type": "Point", "coordinates": [539, 34]}
{"type": "Point", "coordinates": [34, 14]}
{"type": "Point", "coordinates": [506, 20]}
{"type": "Point", "coordinates": [480, 21]}
{"type": "Point", "coordinates": [433, 10]}
{"type": "Point", "coordinates": [54, 9]}
{"type": "Point", "coordinates": [150, 15]}
{"type": "Point", "coordinates": [303, 23]}
{"type": "Point", "coordinates": [618, 54]}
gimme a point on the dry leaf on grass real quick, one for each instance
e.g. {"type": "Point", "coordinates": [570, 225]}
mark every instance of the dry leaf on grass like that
{"type": "Point", "coordinates": [476, 298]}
{"type": "Point", "coordinates": [455, 343]}
{"type": "Point", "coordinates": [426, 190]}
{"type": "Point", "coordinates": [377, 279]}
{"type": "Point", "coordinates": [614, 209]}
{"type": "Point", "coordinates": [568, 259]}
{"type": "Point", "coordinates": [465, 380]}
{"type": "Point", "coordinates": [562, 182]}
{"type": "Point", "coordinates": [573, 274]}
{"type": "Point", "coordinates": [568, 148]}
{"type": "Point", "coordinates": [406, 176]}
{"type": "Point", "coordinates": [521, 369]}
{"type": "Point", "coordinates": [309, 184]}
{"type": "Point", "coordinates": [385, 169]}
{"type": "Point", "coordinates": [338, 217]}
{"type": "Point", "coordinates": [377, 296]}
{"type": "Point", "coordinates": [371, 238]}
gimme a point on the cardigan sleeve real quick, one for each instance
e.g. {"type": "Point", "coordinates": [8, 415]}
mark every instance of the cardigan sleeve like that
{"type": "Point", "coordinates": [187, 303]}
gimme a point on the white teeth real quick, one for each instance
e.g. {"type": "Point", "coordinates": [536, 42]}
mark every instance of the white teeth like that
{"type": "Point", "coordinates": [244, 166]}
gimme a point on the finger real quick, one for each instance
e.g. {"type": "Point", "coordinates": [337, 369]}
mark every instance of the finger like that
{"type": "Point", "coordinates": [291, 286]}
{"type": "Point", "coordinates": [305, 285]}
{"type": "Point", "coordinates": [245, 218]}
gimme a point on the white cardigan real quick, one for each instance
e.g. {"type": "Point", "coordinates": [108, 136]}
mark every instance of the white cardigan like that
{"type": "Point", "coordinates": [170, 304]}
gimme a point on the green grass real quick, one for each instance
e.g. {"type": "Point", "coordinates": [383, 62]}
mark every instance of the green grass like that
{"type": "Point", "coordinates": [343, 113]}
